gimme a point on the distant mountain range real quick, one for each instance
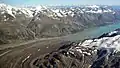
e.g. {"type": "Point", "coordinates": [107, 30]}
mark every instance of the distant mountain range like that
{"type": "Point", "coordinates": [41, 21]}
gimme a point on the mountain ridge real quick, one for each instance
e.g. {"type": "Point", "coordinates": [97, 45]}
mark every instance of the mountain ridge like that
{"type": "Point", "coordinates": [101, 52]}
{"type": "Point", "coordinates": [41, 21]}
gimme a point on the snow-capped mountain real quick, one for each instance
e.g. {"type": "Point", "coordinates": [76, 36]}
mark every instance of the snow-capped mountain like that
{"type": "Point", "coordinates": [51, 12]}
{"type": "Point", "coordinates": [101, 52]}
{"type": "Point", "coordinates": [43, 21]}
{"type": "Point", "coordinates": [13, 11]}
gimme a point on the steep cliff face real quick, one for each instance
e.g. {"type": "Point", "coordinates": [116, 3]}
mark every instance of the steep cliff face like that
{"type": "Point", "coordinates": [101, 52]}
{"type": "Point", "coordinates": [40, 21]}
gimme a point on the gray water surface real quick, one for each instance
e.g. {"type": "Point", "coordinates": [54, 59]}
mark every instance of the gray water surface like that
{"type": "Point", "coordinates": [93, 32]}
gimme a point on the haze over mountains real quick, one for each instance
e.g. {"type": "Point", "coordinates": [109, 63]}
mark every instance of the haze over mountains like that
{"type": "Point", "coordinates": [41, 21]}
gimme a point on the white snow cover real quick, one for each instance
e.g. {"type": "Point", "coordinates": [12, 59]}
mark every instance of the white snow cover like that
{"type": "Point", "coordinates": [58, 12]}
{"type": "Point", "coordinates": [105, 42]}
{"type": "Point", "coordinates": [93, 6]}
{"type": "Point", "coordinates": [50, 12]}
{"type": "Point", "coordinates": [39, 8]}
{"type": "Point", "coordinates": [91, 11]}
{"type": "Point", "coordinates": [96, 9]}
{"type": "Point", "coordinates": [10, 12]}
{"type": "Point", "coordinates": [112, 42]}
{"type": "Point", "coordinates": [112, 32]}
{"type": "Point", "coordinates": [27, 12]}
{"type": "Point", "coordinates": [13, 10]}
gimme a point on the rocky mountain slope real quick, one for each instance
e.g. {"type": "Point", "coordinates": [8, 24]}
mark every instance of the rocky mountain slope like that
{"type": "Point", "coordinates": [40, 21]}
{"type": "Point", "coordinates": [101, 52]}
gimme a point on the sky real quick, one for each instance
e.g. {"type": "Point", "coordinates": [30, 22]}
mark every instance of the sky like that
{"type": "Point", "coordinates": [61, 2]}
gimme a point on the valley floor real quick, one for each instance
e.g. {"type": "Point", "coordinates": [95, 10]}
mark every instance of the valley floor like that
{"type": "Point", "coordinates": [20, 56]}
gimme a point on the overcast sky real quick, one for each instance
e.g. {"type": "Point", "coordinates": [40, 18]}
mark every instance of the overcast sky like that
{"type": "Point", "coordinates": [62, 2]}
